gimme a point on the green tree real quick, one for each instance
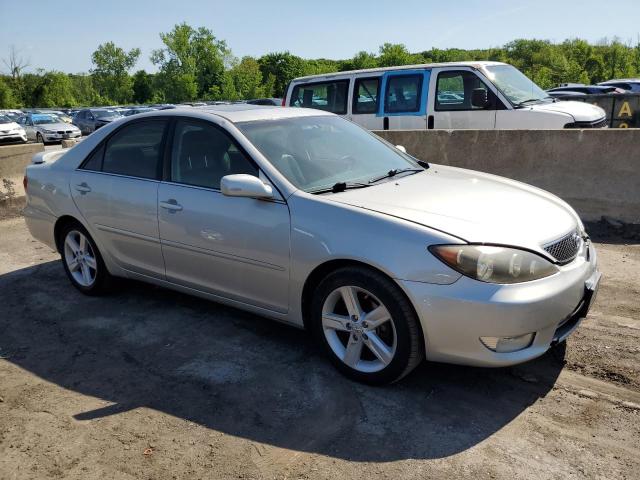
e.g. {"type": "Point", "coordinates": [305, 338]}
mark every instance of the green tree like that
{"type": "Point", "coordinates": [191, 62]}
{"type": "Point", "coordinates": [392, 54]}
{"type": "Point", "coordinates": [362, 60]}
{"type": "Point", "coordinates": [111, 71]}
{"type": "Point", "coordinates": [142, 87]}
{"type": "Point", "coordinates": [7, 98]}
{"type": "Point", "coordinates": [283, 67]}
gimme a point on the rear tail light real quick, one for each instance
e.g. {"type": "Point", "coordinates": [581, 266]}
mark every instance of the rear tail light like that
{"type": "Point", "coordinates": [284, 101]}
{"type": "Point", "coordinates": [25, 181]}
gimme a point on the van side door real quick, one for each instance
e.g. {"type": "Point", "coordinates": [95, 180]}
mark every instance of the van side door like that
{"type": "Point", "coordinates": [462, 100]}
{"type": "Point", "coordinates": [365, 102]}
{"type": "Point", "coordinates": [403, 99]}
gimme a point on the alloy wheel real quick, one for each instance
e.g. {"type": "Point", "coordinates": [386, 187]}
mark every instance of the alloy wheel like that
{"type": "Point", "coordinates": [359, 329]}
{"type": "Point", "coordinates": [80, 258]}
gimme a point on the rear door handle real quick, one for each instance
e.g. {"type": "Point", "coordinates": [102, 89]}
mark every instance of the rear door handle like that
{"type": "Point", "coordinates": [83, 188]}
{"type": "Point", "coordinates": [171, 204]}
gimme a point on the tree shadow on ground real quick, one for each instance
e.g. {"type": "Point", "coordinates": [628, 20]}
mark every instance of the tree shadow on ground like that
{"type": "Point", "coordinates": [247, 376]}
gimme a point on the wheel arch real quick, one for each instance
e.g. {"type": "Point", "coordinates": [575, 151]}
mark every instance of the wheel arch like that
{"type": "Point", "coordinates": [60, 224]}
{"type": "Point", "coordinates": [321, 271]}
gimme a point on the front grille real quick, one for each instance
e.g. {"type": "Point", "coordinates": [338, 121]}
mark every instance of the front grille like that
{"type": "Point", "coordinates": [597, 124]}
{"type": "Point", "coordinates": [566, 248]}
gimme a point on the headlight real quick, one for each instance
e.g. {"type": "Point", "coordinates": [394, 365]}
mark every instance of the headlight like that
{"type": "Point", "coordinates": [49, 131]}
{"type": "Point", "coordinates": [494, 264]}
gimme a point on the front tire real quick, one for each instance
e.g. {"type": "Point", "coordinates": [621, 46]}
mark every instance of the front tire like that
{"type": "Point", "coordinates": [82, 261]}
{"type": "Point", "coordinates": [39, 139]}
{"type": "Point", "coordinates": [367, 326]}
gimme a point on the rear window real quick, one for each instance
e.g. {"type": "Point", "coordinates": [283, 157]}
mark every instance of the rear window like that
{"type": "Point", "coordinates": [327, 96]}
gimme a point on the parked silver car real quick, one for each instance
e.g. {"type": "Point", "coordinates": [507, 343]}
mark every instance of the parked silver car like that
{"type": "Point", "coordinates": [10, 131]}
{"type": "Point", "coordinates": [44, 127]}
{"type": "Point", "coordinates": [304, 217]}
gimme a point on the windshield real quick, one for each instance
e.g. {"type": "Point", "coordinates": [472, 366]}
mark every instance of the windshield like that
{"type": "Point", "coordinates": [315, 153]}
{"type": "Point", "coordinates": [515, 85]}
{"type": "Point", "coordinates": [106, 113]}
{"type": "Point", "coordinates": [44, 119]}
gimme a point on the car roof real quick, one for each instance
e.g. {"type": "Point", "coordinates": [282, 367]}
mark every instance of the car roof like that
{"type": "Point", "coordinates": [243, 112]}
{"type": "Point", "coordinates": [474, 64]}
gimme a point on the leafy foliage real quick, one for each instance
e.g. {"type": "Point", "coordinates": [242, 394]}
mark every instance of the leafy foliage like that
{"type": "Point", "coordinates": [194, 64]}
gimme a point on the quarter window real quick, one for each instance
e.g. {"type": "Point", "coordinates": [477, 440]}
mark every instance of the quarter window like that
{"type": "Point", "coordinates": [403, 93]}
{"type": "Point", "coordinates": [454, 90]}
{"type": "Point", "coordinates": [202, 154]}
{"type": "Point", "coordinates": [136, 150]}
{"type": "Point", "coordinates": [328, 96]}
{"type": "Point", "coordinates": [365, 97]}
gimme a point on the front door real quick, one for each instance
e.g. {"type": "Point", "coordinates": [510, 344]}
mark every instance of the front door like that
{"type": "Point", "coordinates": [116, 190]}
{"type": "Point", "coordinates": [404, 96]}
{"type": "Point", "coordinates": [234, 247]}
{"type": "Point", "coordinates": [451, 105]}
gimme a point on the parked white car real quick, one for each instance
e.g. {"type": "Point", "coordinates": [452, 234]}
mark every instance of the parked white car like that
{"type": "Point", "coordinates": [306, 218]}
{"type": "Point", "coordinates": [10, 131]}
{"type": "Point", "coordinates": [462, 95]}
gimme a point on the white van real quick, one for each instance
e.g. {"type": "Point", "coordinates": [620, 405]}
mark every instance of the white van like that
{"type": "Point", "coordinates": [460, 95]}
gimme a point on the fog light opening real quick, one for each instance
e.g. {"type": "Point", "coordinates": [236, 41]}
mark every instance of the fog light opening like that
{"type": "Point", "coordinates": [508, 344]}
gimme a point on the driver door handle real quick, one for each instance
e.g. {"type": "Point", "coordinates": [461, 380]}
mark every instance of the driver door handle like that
{"type": "Point", "coordinates": [83, 188]}
{"type": "Point", "coordinates": [171, 204]}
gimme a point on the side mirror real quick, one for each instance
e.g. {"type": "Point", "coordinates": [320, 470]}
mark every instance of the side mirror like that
{"type": "Point", "coordinates": [401, 148]}
{"type": "Point", "coordinates": [243, 185]}
{"type": "Point", "coordinates": [480, 98]}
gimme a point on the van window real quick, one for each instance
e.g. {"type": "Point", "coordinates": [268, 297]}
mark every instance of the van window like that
{"type": "Point", "coordinates": [365, 96]}
{"type": "Point", "coordinates": [403, 93]}
{"type": "Point", "coordinates": [454, 89]}
{"type": "Point", "coordinates": [328, 96]}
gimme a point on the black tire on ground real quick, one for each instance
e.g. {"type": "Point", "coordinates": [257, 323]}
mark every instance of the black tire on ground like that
{"type": "Point", "coordinates": [410, 344]}
{"type": "Point", "coordinates": [104, 281]}
{"type": "Point", "coordinates": [39, 138]}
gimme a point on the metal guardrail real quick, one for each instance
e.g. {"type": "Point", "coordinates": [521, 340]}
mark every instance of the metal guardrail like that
{"type": "Point", "coordinates": [623, 110]}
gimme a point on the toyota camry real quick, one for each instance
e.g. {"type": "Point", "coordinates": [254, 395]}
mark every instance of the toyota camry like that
{"type": "Point", "coordinates": [303, 217]}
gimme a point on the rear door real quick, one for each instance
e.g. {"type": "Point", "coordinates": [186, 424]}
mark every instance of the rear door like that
{"type": "Point", "coordinates": [404, 95]}
{"type": "Point", "coordinates": [116, 190]}
{"type": "Point", "coordinates": [451, 104]}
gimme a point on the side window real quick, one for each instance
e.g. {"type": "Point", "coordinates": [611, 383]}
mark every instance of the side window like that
{"type": "Point", "coordinates": [403, 93]}
{"type": "Point", "coordinates": [365, 95]}
{"type": "Point", "coordinates": [202, 154]}
{"type": "Point", "coordinates": [136, 150]}
{"type": "Point", "coordinates": [328, 96]}
{"type": "Point", "coordinates": [454, 91]}
{"type": "Point", "coordinates": [94, 162]}
{"type": "Point", "coordinates": [81, 115]}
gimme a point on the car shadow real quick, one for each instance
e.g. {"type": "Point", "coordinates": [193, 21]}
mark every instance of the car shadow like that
{"type": "Point", "coordinates": [247, 376]}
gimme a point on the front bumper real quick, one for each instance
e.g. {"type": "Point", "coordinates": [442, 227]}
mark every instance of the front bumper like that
{"type": "Point", "coordinates": [13, 137]}
{"type": "Point", "coordinates": [454, 317]}
{"type": "Point", "coordinates": [56, 137]}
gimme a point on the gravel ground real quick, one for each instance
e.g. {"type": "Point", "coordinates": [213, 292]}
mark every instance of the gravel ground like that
{"type": "Point", "coordinates": [148, 383]}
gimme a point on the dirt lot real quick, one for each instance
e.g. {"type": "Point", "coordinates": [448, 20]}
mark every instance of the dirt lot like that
{"type": "Point", "coordinates": [152, 384]}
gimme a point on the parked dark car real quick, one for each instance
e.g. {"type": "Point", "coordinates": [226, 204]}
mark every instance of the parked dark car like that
{"type": "Point", "coordinates": [265, 101]}
{"type": "Point", "coordinates": [91, 119]}
{"type": "Point", "coordinates": [136, 110]}
{"type": "Point", "coordinates": [586, 89]}
{"type": "Point", "coordinates": [631, 85]}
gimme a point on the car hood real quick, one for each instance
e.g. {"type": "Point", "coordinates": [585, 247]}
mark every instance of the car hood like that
{"type": "Point", "coordinates": [580, 111]}
{"type": "Point", "coordinates": [55, 126]}
{"type": "Point", "coordinates": [9, 126]}
{"type": "Point", "coordinates": [473, 206]}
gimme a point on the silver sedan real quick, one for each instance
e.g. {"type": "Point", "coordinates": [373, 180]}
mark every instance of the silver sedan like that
{"type": "Point", "coordinates": [306, 218]}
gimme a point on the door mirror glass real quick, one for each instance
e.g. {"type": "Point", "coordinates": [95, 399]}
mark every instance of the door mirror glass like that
{"type": "Point", "coordinates": [401, 148]}
{"type": "Point", "coordinates": [244, 185]}
{"type": "Point", "coordinates": [480, 98]}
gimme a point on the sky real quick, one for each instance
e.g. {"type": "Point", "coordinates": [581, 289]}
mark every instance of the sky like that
{"type": "Point", "coordinates": [62, 36]}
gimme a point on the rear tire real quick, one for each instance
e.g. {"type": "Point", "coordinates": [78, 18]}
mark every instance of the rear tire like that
{"type": "Point", "coordinates": [367, 326]}
{"type": "Point", "coordinates": [83, 262]}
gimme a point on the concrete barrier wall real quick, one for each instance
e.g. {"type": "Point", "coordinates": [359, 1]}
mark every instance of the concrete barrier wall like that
{"type": "Point", "coordinates": [13, 160]}
{"type": "Point", "coordinates": [596, 171]}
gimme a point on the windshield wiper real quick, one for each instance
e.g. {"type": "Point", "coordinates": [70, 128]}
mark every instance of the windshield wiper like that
{"type": "Point", "coordinates": [394, 172]}
{"type": "Point", "coordinates": [340, 187]}
{"type": "Point", "coordinates": [520, 104]}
